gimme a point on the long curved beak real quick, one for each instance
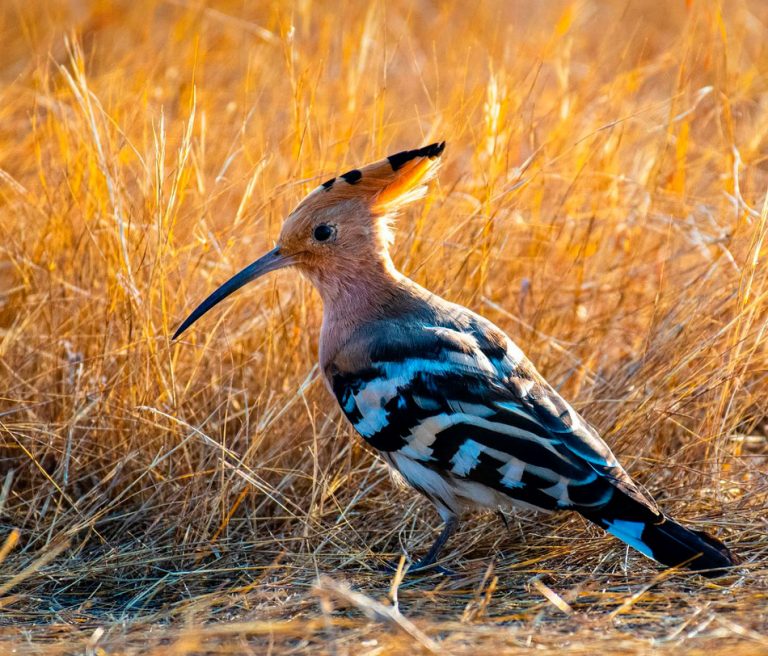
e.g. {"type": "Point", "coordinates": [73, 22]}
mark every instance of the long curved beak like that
{"type": "Point", "coordinates": [266, 263]}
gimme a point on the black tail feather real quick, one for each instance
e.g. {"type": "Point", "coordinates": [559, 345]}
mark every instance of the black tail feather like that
{"type": "Point", "coordinates": [673, 544]}
{"type": "Point", "coordinates": [660, 537]}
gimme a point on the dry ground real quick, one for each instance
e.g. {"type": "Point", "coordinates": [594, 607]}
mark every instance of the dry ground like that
{"type": "Point", "coordinates": [603, 199]}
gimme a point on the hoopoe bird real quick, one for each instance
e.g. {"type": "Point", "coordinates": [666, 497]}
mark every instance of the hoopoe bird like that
{"type": "Point", "coordinates": [443, 395]}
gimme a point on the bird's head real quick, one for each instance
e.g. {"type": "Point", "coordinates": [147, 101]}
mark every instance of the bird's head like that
{"type": "Point", "coordinates": [343, 227]}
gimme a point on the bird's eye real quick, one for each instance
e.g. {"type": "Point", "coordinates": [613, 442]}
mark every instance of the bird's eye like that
{"type": "Point", "coordinates": [324, 232]}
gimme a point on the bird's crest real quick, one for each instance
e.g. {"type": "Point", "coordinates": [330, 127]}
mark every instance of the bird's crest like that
{"type": "Point", "coordinates": [386, 185]}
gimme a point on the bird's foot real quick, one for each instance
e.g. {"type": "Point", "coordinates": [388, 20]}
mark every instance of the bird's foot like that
{"type": "Point", "coordinates": [392, 566]}
{"type": "Point", "coordinates": [431, 567]}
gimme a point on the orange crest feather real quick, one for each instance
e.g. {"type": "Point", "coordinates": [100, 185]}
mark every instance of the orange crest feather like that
{"type": "Point", "coordinates": [386, 185]}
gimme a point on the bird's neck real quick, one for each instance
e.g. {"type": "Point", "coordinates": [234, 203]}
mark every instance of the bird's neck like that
{"type": "Point", "coordinates": [355, 294]}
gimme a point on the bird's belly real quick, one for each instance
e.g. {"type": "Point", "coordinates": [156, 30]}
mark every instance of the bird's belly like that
{"type": "Point", "coordinates": [452, 495]}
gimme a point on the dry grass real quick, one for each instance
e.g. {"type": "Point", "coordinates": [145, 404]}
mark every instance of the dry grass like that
{"type": "Point", "coordinates": [603, 199]}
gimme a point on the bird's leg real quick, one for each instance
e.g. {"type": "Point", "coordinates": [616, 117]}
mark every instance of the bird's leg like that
{"type": "Point", "coordinates": [503, 518]}
{"type": "Point", "coordinates": [431, 556]}
{"type": "Point", "coordinates": [428, 561]}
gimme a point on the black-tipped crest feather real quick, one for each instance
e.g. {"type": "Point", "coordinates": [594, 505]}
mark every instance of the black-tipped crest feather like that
{"type": "Point", "coordinates": [399, 159]}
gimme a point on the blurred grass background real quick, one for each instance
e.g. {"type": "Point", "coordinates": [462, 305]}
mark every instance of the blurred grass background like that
{"type": "Point", "coordinates": [603, 199]}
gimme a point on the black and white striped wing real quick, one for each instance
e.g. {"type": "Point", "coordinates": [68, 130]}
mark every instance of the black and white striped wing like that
{"type": "Point", "coordinates": [476, 414]}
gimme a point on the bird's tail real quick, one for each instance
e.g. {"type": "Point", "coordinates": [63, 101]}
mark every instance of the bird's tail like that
{"type": "Point", "coordinates": [660, 537]}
